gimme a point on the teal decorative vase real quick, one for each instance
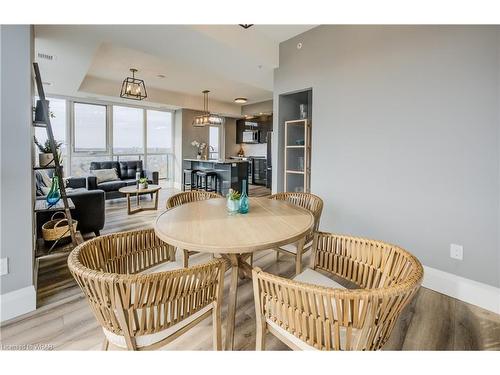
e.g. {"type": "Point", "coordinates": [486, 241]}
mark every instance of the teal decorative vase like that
{"type": "Point", "coordinates": [244, 202]}
{"type": "Point", "coordinates": [54, 194]}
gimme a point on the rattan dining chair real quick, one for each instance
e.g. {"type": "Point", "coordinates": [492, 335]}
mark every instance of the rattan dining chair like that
{"type": "Point", "coordinates": [187, 197]}
{"type": "Point", "coordinates": [314, 204]}
{"type": "Point", "coordinates": [141, 301]}
{"type": "Point", "coordinates": [313, 311]}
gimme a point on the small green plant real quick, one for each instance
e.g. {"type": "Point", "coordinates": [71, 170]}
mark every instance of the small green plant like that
{"type": "Point", "coordinates": [45, 148]}
{"type": "Point", "coordinates": [143, 180]}
{"type": "Point", "coordinates": [234, 195]}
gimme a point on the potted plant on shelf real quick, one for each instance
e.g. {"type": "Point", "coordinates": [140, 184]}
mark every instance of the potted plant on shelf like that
{"type": "Point", "coordinates": [233, 201]}
{"type": "Point", "coordinates": [143, 183]}
{"type": "Point", "coordinates": [46, 155]}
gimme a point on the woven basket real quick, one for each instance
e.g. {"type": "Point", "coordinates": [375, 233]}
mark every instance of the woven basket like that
{"type": "Point", "coordinates": [55, 229]}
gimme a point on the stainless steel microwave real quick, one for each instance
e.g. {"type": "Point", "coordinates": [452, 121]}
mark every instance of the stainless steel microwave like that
{"type": "Point", "coordinates": [250, 136]}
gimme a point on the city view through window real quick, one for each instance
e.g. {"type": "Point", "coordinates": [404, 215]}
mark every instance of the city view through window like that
{"type": "Point", "coordinates": [111, 132]}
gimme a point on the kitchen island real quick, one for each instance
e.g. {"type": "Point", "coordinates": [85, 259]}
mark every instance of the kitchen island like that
{"type": "Point", "coordinates": [230, 173]}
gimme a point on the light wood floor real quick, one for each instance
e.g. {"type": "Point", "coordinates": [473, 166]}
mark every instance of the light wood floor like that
{"type": "Point", "coordinates": [64, 321]}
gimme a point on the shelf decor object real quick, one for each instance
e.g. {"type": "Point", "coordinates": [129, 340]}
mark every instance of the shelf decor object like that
{"type": "Point", "coordinates": [46, 155]}
{"type": "Point", "coordinates": [39, 117]}
{"type": "Point", "coordinates": [54, 194]}
{"type": "Point", "coordinates": [133, 88]}
{"type": "Point", "coordinates": [297, 156]}
{"type": "Point", "coordinates": [207, 118]}
{"type": "Point", "coordinates": [244, 202]}
{"type": "Point", "coordinates": [57, 228]}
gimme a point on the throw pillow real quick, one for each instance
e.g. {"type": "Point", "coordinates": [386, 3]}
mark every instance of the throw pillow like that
{"type": "Point", "coordinates": [104, 175]}
{"type": "Point", "coordinates": [43, 183]}
{"type": "Point", "coordinates": [47, 181]}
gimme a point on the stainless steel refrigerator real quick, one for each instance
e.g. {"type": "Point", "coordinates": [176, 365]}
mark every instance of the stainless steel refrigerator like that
{"type": "Point", "coordinates": [269, 164]}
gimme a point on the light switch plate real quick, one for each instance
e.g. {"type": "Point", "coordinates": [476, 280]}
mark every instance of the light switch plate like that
{"type": "Point", "coordinates": [456, 251]}
{"type": "Point", "coordinates": [4, 266]}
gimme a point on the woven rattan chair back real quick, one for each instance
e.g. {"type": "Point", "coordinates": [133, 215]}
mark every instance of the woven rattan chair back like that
{"type": "Point", "coordinates": [190, 196]}
{"type": "Point", "coordinates": [309, 201]}
{"type": "Point", "coordinates": [130, 304]}
{"type": "Point", "coordinates": [340, 319]}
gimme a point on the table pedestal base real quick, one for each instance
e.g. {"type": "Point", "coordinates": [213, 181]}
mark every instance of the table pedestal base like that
{"type": "Point", "coordinates": [239, 268]}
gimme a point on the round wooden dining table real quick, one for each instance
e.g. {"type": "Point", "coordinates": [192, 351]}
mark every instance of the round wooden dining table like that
{"type": "Point", "coordinates": [207, 227]}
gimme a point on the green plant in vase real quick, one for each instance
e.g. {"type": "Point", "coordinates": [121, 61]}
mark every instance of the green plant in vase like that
{"type": "Point", "coordinates": [233, 201]}
{"type": "Point", "coordinates": [143, 183]}
{"type": "Point", "coordinates": [46, 155]}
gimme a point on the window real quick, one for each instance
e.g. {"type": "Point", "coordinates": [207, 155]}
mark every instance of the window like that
{"type": "Point", "coordinates": [159, 139]}
{"type": "Point", "coordinates": [89, 127]}
{"type": "Point", "coordinates": [213, 142]}
{"type": "Point", "coordinates": [133, 133]}
{"type": "Point", "coordinates": [128, 130]}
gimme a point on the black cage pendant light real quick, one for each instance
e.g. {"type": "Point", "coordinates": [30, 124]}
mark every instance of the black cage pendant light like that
{"type": "Point", "coordinates": [207, 118]}
{"type": "Point", "coordinates": [133, 88]}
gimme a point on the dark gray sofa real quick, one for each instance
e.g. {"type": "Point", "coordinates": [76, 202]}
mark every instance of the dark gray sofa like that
{"type": "Point", "coordinates": [89, 208]}
{"type": "Point", "coordinates": [126, 171]}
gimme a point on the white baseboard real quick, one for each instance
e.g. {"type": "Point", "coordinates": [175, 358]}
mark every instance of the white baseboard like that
{"type": "Point", "coordinates": [470, 291]}
{"type": "Point", "coordinates": [17, 302]}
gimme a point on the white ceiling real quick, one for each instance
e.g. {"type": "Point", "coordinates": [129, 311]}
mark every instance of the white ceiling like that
{"type": "Point", "coordinates": [226, 59]}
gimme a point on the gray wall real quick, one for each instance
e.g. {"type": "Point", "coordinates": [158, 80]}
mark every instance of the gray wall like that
{"type": "Point", "coordinates": [15, 157]}
{"type": "Point", "coordinates": [231, 147]}
{"type": "Point", "coordinates": [190, 133]}
{"type": "Point", "coordinates": [405, 136]}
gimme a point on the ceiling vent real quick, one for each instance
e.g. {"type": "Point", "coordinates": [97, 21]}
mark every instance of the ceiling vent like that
{"type": "Point", "coordinates": [45, 56]}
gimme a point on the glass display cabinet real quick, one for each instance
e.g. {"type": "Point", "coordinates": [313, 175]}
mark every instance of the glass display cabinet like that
{"type": "Point", "coordinates": [297, 155]}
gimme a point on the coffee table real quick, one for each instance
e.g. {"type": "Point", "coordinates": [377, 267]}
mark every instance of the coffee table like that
{"type": "Point", "coordinates": [133, 190]}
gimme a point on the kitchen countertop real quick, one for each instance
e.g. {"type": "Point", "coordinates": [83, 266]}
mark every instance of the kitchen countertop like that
{"type": "Point", "coordinates": [226, 161]}
{"type": "Point", "coordinates": [247, 157]}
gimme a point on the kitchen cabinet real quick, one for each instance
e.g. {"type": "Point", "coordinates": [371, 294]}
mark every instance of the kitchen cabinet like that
{"type": "Point", "coordinates": [263, 124]}
{"type": "Point", "coordinates": [259, 171]}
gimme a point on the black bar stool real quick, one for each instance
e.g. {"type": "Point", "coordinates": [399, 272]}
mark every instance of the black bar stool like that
{"type": "Point", "coordinates": [207, 180]}
{"type": "Point", "coordinates": [192, 183]}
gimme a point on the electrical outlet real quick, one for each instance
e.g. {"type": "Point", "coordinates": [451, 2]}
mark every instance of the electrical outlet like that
{"type": "Point", "coordinates": [456, 251]}
{"type": "Point", "coordinates": [4, 266]}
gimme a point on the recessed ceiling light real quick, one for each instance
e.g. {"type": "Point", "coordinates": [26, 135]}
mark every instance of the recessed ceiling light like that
{"type": "Point", "coordinates": [240, 100]}
{"type": "Point", "coordinates": [161, 75]}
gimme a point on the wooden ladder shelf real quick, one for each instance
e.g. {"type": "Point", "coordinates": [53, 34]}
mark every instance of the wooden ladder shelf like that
{"type": "Point", "coordinates": [45, 123]}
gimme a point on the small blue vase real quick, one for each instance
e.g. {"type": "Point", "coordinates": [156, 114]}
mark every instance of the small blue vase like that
{"type": "Point", "coordinates": [54, 194]}
{"type": "Point", "coordinates": [244, 202]}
